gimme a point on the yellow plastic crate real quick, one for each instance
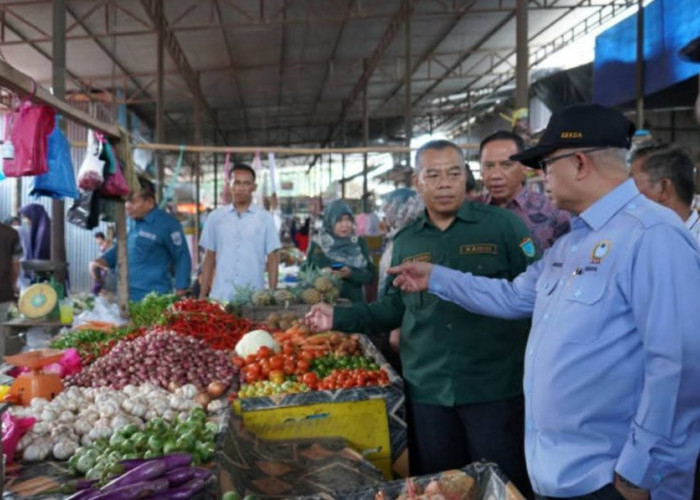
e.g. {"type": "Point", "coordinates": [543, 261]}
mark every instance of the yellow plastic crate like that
{"type": "Point", "coordinates": [363, 424]}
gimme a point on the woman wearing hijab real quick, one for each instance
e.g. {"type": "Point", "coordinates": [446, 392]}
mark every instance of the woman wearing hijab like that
{"type": "Point", "coordinates": [39, 244]}
{"type": "Point", "coordinates": [337, 247]}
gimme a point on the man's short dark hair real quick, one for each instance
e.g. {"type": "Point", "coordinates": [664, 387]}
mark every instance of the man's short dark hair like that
{"type": "Point", "coordinates": [503, 135]}
{"type": "Point", "coordinates": [439, 145]}
{"type": "Point", "coordinates": [242, 166]}
{"type": "Point", "coordinates": [676, 165]}
{"type": "Point", "coordinates": [647, 148]}
{"type": "Point", "coordinates": [146, 190]}
{"type": "Point", "coordinates": [100, 234]}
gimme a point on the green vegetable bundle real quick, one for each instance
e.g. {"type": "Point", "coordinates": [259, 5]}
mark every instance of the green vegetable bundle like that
{"type": "Point", "coordinates": [194, 436]}
{"type": "Point", "coordinates": [149, 311]}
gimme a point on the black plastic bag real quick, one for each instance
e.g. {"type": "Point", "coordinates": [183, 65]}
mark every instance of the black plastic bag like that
{"type": "Point", "coordinates": [85, 212]}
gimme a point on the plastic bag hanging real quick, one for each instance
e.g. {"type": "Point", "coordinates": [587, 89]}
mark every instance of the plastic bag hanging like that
{"type": "Point", "coordinates": [59, 181]}
{"type": "Point", "coordinates": [114, 184]}
{"type": "Point", "coordinates": [90, 175]}
{"type": "Point", "coordinates": [27, 130]}
{"type": "Point", "coordinates": [226, 189]}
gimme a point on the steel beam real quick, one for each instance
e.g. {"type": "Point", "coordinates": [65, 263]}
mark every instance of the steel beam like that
{"type": "Point", "coordinates": [157, 18]}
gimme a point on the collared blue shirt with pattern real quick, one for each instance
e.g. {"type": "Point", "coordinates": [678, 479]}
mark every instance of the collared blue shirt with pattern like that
{"type": "Point", "coordinates": [612, 377]}
{"type": "Point", "coordinates": [156, 247]}
{"type": "Point", "coordinates": [242, 243]}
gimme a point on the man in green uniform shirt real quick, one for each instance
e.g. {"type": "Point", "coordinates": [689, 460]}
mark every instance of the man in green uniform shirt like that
{"type": "Point", "coordinates": [464, 392]}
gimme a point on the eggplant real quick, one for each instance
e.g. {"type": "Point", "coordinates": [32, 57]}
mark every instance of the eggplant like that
{"type": "Point", "coordinates": [172, 461]}
{"type": "Point", "coordinates": [184, 492]}
{"type": "Point", "coordinates": [202, 473]}
{"type": "Point", "coordinates": [176, 477]}
{"type": "Point", "coordinates": [135, 490]}
{"type": "Point", "coordinates": [144, 472]}
{"type": "Point", "coordinates": [86, 494]}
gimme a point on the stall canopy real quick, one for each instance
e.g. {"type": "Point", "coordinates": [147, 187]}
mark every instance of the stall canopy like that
{"type": "Point", "coordinates": [668, 26]}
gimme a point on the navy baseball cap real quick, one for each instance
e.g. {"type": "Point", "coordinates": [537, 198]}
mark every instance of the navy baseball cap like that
{"type": "Point", "coordinates": [580, 126]}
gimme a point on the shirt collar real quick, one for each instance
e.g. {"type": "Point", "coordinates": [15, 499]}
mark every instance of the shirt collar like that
{"type": "Point", "coordinates": [465, 213]}
{"type": "Point", "coordinates": [520, 199]}
{"type": "Point", "coordinates": [692, 220]}
{"type": "Point", "coordinates": [598, 214]}
{"type": "Point", "coordinates": [252, 208]}
{"type": "Point", "coordinates": [150, 216]}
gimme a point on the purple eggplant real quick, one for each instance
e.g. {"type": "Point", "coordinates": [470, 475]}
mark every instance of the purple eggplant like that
{"type": "Point", "coordinates": [172, 461]}
{"type": "Point", "coordinates": [201, 473]}
{"type": "Point", "coordinates": [86, 494]}
{"type": "Point", "coordinates": [184, 492]}
{"type": "Point", "coordinates": [176, 477]}
{"type": "Point", "coordinates": [135, 490]}
{"type": "Point", "coordinates": [144, 472]}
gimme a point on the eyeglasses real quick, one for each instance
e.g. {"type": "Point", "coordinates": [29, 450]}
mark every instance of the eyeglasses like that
{"type": "Point", "coordinates": [545, 163]}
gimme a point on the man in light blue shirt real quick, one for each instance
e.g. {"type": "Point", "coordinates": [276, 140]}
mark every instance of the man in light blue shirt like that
{"type": "Point", "coordinates": [156, 247]}
{"type": "Point", "coordinates": [240, 240]}
{"type": "Point", "coordinates": [612, 378]}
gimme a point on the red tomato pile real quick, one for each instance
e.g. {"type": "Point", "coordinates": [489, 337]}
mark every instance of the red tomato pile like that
{"type": "Point", "coordinates": [295, 365]}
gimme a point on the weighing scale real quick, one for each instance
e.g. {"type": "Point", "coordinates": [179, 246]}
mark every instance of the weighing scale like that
{"type": "Point", "coordinates": [41, 299]}
{"type": "Point", "coordinates": [36, 383]}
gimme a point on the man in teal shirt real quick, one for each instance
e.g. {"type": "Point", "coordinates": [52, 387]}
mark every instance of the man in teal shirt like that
{"type": "Point", "coordinates": [156, 246]}
{"type": "Point", "coordinates": [464, 391]}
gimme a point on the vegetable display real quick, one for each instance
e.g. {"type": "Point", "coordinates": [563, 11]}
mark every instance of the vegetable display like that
{"type": "Point", "coordinates": [149, 311]}
{"type": "Point", "coordinates": [161, 358]}
{"type": "Point", "coordinates": [181, 442]}
{"type": "Point", "coordinates": [94, 343]}
{"type": "Point", "coordinates": [169, 477]}
{"type": "Point", "coordinates": [206, 321]}
{"type": "Point", "coordinates": [81, 416]}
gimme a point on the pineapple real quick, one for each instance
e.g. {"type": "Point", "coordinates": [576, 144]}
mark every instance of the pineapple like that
{"type": "Point", "coordinates": [311, 296]}
{"type": "Point", "coordinates": [243, 295]}
{"type": "Point", "coordinates": [323, 284]}
{"type": "Point", "coordinates": [283, 296]}
{"type": "Point", "coordinates": [262, 298]}
{"type": "Point", "coordinates": [331, 295]}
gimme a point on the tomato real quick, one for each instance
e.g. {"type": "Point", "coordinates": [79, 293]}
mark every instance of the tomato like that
{"type": "Point", "coordinates": [265, 352]}
{"type": "Point", "coordinates": [250, 358]}
{"type": "Point", "coordinates": [276, 376]}
{"type": "Point", "coordinates": [310, 380]}
{"type": "Point", "coordinates": [302, 366]}
{"type": "Point", "coordinates": [276, 362]}
{"type": "Point", "coordinates": [251, 376]}
{"type": "Point", "coordinates": [307, 355]}
{"type": "Point", "coordinates": [238, 361]}
{"type": "Point", "coordinates": [265, 367]}
{"type": "Point", "coordinates": [289, 367]}
{"type": "Point", "coordinates": [288, 348]}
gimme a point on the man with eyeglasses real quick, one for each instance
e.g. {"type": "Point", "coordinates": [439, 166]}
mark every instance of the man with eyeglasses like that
{"type": "Point", "coordinates": [462, 371]}
{"type": "Point", "coordinates": [612, 406]}
{"type": "Point", "coordinates": [240, 240]}
{"type": "Point", "coordinates": [505, 181]}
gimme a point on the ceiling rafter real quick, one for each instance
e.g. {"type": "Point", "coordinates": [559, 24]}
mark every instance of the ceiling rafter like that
{"type": "Point", "coordinates": [329, 62]}
{"type": "Point", "coordinates": [176, 53]}
{"type": "Point", "coordinates": [229, 54]}
{"type": "Point", "coordinates": [432, 48]}
{"type": "Point", "coordinates": [404, 12]}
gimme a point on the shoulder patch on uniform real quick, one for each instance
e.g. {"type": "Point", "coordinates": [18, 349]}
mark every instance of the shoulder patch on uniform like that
{"type": "Point", "coordinates": [528, 247]}
{"type": "Point", "coordinates": [421, 257]}
{"type": "Point", "coordinates": [176, 237]}
{"type": "Point", "coordinates": [478, 248]}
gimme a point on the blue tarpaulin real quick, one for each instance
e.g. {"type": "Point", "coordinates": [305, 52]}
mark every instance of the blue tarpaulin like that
{"type": "Point", "coordinates": [668, 26]}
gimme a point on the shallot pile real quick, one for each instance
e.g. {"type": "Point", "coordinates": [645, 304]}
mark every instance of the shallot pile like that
{"type": "Point", "coordinates": [162, 358]}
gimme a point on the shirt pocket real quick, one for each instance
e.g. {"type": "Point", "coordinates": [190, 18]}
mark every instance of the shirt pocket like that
{"type": "Point", "coordinates": [584, 309]}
